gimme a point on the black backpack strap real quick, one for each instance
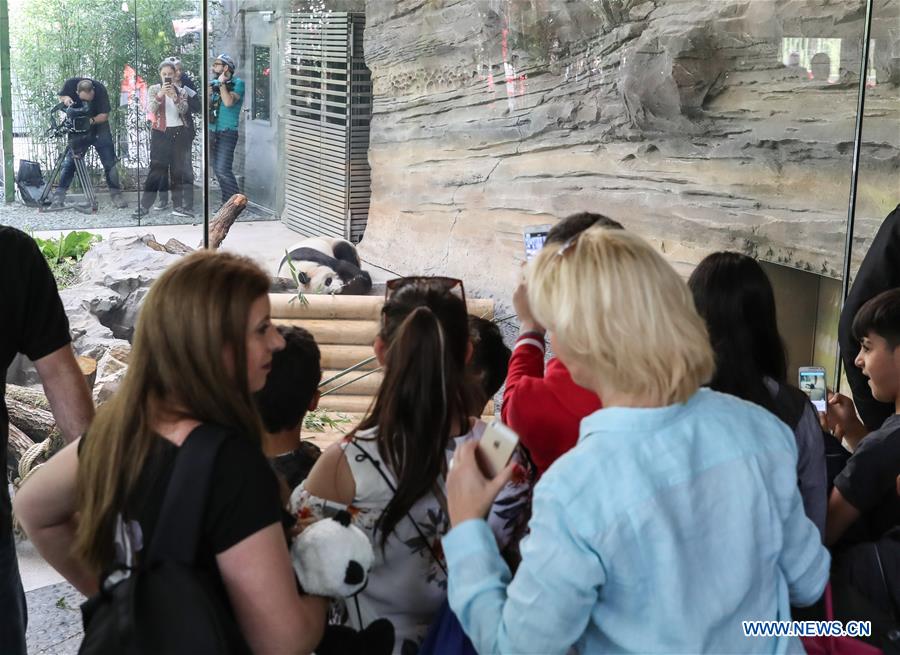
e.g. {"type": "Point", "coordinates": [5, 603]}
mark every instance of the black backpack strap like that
{"type": "Point", "coordinates": [177, 532]}
{"type": "Point", "coordinates": [790, 403]}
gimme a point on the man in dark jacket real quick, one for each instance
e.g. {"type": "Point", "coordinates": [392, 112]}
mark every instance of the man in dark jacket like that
{"type": "Point", "coordinates": [879, 271]}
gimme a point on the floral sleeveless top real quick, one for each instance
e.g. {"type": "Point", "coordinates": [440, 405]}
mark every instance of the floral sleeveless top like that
{"type": "Point", "coordinates": [408, 580]}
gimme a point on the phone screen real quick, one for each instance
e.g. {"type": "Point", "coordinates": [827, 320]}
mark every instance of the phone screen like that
{"type": "Point", "coordinates": [535, 237]}
{"type": "Point", "coordinates": [812, 382]}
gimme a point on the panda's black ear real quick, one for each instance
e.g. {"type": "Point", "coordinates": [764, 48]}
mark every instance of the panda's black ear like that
{"type": "Point", "coordinates": [354, 574]}
{"type": "Point", "coordinates": [343, 518]}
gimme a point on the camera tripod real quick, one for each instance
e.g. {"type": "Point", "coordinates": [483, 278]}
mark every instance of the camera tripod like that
{"type": "Point", "coordinates": [84, 179]}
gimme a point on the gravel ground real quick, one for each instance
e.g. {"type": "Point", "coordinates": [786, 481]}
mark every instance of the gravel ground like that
{"type": "Point", "coordinates": [54, 620]}
{"type": "Point", "coordinates": [29, 218]}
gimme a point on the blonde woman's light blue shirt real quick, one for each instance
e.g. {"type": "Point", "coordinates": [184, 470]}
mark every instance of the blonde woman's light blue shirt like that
{"type": "Point", "coordinates": [660, 532]}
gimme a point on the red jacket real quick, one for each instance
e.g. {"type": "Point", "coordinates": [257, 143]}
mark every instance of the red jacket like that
{"type": "Point", "coordinates": [544, 408]}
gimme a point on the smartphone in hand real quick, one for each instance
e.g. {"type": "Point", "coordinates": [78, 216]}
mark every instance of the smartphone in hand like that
{"type": "Point", "coordinates": [812, 381]}
{"type": "Point", "coordinates": [535, 236]}
{"type": "Point", "coordinates": [497, 445]}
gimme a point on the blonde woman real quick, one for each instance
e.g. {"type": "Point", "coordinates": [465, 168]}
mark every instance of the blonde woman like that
{"type": "Point", "coordinates": [203, 346]}
{"type": "Point", "coordinates": [675, 517]}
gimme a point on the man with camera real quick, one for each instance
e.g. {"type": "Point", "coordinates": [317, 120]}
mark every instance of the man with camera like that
{"type": "Point", "coordinates": [91, 97]}
{"type": "Point", "coordinates": [226, 95]}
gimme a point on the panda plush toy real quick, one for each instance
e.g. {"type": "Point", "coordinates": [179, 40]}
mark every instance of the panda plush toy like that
{"type": "Point", "coordinates": [332, 558]}
{"type": "Point", "coordinates": [330, 266]}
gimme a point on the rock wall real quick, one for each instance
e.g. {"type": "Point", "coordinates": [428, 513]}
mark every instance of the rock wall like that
{"type": "Point", "coordinates": [677, 117]}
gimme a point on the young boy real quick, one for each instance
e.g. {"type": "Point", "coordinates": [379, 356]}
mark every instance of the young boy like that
{"type": "Point", "coordinates": [489, 363]}
{"type": "Point", "coordinates": [865, 493]}
{"type": "Point", "coordinates": [291, 390]}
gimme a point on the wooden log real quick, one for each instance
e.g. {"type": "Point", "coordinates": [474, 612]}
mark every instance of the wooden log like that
{"type": "Point", "coordinates": [337, 331]}
{"type": "Point", "coordinates": [341, 356]}
{"type": "Point", "coordinates": [28, 396]}
{"type": "Point", "coordinates": [367, 386]}
{"type": "Point", "coordinates": [286, 305]}
{"type": "Point", "coordinates": [225, 218]}
{"type": "Point", "coordinates": [35, 422]}
{"type": "Point", "coordinates": [88, 368]}
{"type": "Point", "coordinates": [19, 443]}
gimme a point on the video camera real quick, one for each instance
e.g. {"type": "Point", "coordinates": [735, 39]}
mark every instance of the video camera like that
{"type": "Point", "coordinates": [77, 120]}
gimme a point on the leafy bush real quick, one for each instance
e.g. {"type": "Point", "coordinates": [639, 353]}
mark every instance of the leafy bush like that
{"type": "Point", "coordinates": [72, 246]}
{"type": "Point", "coordinates": [63, 254]}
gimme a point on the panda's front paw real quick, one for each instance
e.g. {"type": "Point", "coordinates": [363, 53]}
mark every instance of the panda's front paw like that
{"type": "Point", "coordinates": [332, 557]}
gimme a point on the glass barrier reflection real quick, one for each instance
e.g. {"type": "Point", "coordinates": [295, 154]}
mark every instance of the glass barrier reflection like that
{"type": "Point", "coordinates": [85, 116]}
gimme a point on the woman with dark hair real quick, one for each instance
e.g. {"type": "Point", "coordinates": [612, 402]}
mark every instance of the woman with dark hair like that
{"type": "Point", "coordinates": [203, 345]}
{"type": "Point", "coordinates": [390, 472]}
{"type": "Point", "coordinates": [734, 296]}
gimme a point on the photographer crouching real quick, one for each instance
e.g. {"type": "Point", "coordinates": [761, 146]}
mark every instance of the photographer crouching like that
{"type": "Point", "coordinates": [170, 137]}
{"type": "Point", "coordinates": [83, 92]}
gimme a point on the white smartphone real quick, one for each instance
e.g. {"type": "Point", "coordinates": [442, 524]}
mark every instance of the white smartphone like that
{"type": "Point", "coordinates": [535, 236]}
{"type": "Point", "coordinates": [812, 382]}
{"type": "Point", "coordinates": [497, 445]}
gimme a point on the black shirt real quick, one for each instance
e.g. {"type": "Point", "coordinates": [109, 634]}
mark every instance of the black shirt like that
{"type": "Point", "coordinates": [869, 483]}
{"type": "Point", "coordinates": [879, 271]}
{"type": "Point", "coordinates": [34, 322]}
{"type": "Point", "coordinates": [243, 497]}
{"type": "Point", "coordinates": [99, 105]}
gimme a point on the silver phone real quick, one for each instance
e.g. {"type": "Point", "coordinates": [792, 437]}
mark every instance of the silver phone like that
{"type": "Point", "coordinates": [812, 381]}
{"type": "Point", "coordinates": [535, 236]}
{"type": "Point", "coordinates": [497, 445]}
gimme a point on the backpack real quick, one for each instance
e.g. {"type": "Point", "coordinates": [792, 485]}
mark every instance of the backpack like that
{"type": "Point", "coordinates": [790, 404]}
{"type": "Point", "coordinates": [166, 605]}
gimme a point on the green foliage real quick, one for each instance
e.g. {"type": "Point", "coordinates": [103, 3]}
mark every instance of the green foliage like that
{"type": "Point", "coordinates": [71, 246]}
{"type": "Point", "coordinates": [296, 277]}
{"type": "Point", "coordinates": [318, 420]}
{"type": "Point", "coordinates": [63, 254]}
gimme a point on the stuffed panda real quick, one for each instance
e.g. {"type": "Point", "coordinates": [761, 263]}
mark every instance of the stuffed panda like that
{"type": "Point", "coordinates": [326, 265]}
{"type": "Point", "coordinates": [332, 557]}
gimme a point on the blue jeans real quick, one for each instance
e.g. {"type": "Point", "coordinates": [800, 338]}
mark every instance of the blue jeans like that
{"type": "Point", "coordinates": [221, 152]}
{"type": "Point", "coordinates": [13, 613]}
{"type": "Point", "coordinates": [103, 142]}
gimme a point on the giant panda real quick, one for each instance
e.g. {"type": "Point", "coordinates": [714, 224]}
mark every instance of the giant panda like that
{"type": "Point", "coordinates": [326, 265]}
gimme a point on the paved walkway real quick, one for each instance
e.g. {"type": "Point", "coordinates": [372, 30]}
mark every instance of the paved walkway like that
{"type": "Point", "coordinates": [54, 620]}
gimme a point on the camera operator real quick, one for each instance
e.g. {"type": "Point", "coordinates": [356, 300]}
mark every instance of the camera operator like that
{"type": "Point", "coordinates": [184, 80]}
{"type": "Point", "coordinates": [169, 137]}
{"type": "Point", "coordinates": [226, 95]}
{"type": "Point", "coordinates": [85, 92]}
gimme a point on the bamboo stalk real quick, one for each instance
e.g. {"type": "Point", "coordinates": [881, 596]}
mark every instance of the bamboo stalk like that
{"type": "Point", "coordinates": [341, 386]}
{"type": "Point", "coordinates": [349, 370]}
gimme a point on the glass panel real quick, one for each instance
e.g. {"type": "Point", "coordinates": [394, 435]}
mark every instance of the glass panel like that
{"type": "Point", "coordinates": [262, 88]}
{"type": "Point", "coordinates": [118, 47]}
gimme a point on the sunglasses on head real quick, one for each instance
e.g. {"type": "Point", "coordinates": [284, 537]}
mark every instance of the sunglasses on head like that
{"type": "Point", "coordinates": [437, 283]}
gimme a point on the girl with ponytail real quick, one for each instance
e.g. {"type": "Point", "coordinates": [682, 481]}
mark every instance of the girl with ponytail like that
{"type": "Point", "coordinates": [390, 471]}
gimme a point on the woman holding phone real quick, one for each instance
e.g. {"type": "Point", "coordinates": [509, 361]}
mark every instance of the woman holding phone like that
{"type": "Point", "coordinates": [677, 514]}
{"type": "Point", "coordinates": [169, 116]}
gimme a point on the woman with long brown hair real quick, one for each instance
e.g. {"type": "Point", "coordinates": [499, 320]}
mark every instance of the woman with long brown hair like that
{"type": "Point", "coordinates": [203, 345]}
{"type": "Point", "coordinates": [390, 471]}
